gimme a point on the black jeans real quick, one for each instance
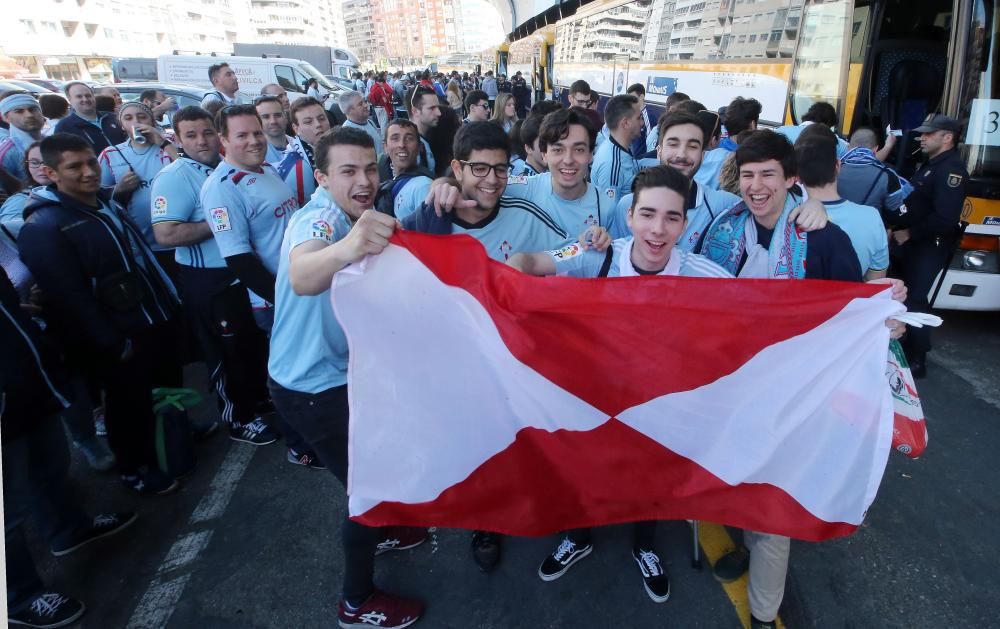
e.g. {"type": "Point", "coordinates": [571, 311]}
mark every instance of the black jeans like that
{"type": "Point", "coordinates": [322, 421]}
{"type": "Point", "coordinates": [35, 482]}
{"type": "Point", "coordinates": [235, 349]}
{"type": "Point", "coordinates": [918, 265]}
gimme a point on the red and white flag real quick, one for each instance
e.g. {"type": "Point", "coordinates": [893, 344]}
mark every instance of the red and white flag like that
{"type": "Point", "coordinates": [482, 398]}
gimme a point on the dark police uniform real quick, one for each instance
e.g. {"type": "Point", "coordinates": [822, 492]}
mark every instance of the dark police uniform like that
{"type": "Point", "coordinates": [931, 213]}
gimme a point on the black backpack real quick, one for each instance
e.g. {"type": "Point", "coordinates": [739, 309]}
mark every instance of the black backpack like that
{"type": "Point", "coordinates": [385, 198]}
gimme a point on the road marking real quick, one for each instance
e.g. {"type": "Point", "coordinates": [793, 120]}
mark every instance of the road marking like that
{"type": "Point", "coordinates": [160, 599]}
{"type": "Point", "coordinates": [185, 550]}
{"type": "Point", "coordinates": [158, 603]}
{"type": "Point", "coordinates": [214, 503]}
{"type": "Point", "coordinates": [716, 542]}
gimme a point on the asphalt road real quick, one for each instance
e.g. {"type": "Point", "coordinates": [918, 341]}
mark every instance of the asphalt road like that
{"type": "Point", "coordinates": [925, 556]}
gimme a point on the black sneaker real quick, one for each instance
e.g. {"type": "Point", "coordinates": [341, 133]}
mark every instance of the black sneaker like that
{"type": "Point", "coordinates": [564, 556]}
{"type": "Point", "coordinates": [760, 624]}
{"type": "Point", "coordinates": [256, 433]}
{"type": "Point", "coordinates": [104, 525]}
{"type": "Point", "coordinates": [48, 611]}
{"type": "Point", "coordinates": [654, 579]}
{"type": "Point", "coordinates": [486, 549]}
{"type": "Point", "coordinates": [732, 565]}
{"type": "Point", "coordinates": [305, 459]}
{"type": "Point", "coordinates": [150, 482]}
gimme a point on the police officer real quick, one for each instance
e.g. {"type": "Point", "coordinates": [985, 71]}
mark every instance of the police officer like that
{"type": "Point", "coordinates": [926, 227]}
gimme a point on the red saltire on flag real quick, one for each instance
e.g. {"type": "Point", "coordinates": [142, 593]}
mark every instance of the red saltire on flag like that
{"type": "Point", "coordinates": [482, 398]}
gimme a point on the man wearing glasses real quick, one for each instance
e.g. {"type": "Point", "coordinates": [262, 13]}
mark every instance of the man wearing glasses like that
{"type": "Point", "coordinates": [477, 103]}
{"type": "Point", "coordinates": [580, 94]}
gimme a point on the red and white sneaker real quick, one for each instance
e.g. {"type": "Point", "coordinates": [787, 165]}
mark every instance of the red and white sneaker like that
{"type": "Point", "coordinates": [381, 610]}
{"type": "Point", "coordinates": [400, 538]}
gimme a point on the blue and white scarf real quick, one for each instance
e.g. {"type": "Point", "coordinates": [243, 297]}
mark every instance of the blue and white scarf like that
{"type": "Point", "coordinates": [734, 234]}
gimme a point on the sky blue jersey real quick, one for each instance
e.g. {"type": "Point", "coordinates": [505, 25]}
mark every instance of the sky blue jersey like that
{"type": "Point", "coordinates": [176, 193]}
{"type": "Point", "coordinates": [116, 161]}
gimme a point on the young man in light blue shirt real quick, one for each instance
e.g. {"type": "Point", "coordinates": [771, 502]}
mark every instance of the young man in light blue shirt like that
{"type": "Point", "coordinates": [215, 302]}
{"type": "Point", "coordinates": [566, 139]}
{"type": "Point", "coordinates": [614, 166]}
{"type": "Point", "coordinates": [356, 108]}
{"type": "Point", "coordinates": [657, 219]}
{"type": "Point", "coordinates": [309, 122]}
{"type": "Point", "coordinates": [309, 379]}
{"type": "Point", "coordinates": [129, 168]}
{"type": "Point", "coordinates": [816, 154]}
{"type": "Point", "coordinates": [275, 120]}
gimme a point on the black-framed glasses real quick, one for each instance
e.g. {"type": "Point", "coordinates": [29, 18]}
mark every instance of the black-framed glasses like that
{"type": "Point", "coordinates": [481, 169]}
{"type": "Point", "coordinates": [35, 163]}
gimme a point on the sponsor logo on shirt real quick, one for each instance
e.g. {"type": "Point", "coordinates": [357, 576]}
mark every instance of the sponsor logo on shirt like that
{"type": "Point", "coordinates": [321, 230]}
{"type": "Point", "coordinates": [517, 179]}
{"type": "Point", "coordinates": [220, 219]}
{"type": "Point", "coordinates": [160, 206]}
{"type": "Point", "coordinates": [566, 252]}
{"type": "Point", "coordinates": [287, 207]}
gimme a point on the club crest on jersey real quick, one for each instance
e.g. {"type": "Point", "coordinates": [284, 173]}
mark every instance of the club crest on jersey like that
{"type": "Point", "coordinates": [322, 230]}
{"type": "Point", "coordinates": [591, 221]}
{"type": "Point", "coordinates": [505, 248]}
{"type": "Point", "coordinates": [160, 206]}
{"type": "Point", "coordinates": [220, 219]}
{"type": "Point", "coordinates": [566, 252]}
{"type": "Point", "coordinates": [610, 192]}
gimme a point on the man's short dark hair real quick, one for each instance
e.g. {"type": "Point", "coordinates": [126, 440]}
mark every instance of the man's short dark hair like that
{"type": "Point", "coordinates": [580, 87]}
{"type": "Point", "coordinates": [675, 118]}
{"type": "Point", "coordinates": [529, 129]}
{"type": "Point", "coordinates": [821, 113]}
{"type": "Point", "coordinates": [401, 122]}
{"type": "Point", "coordinates": [661, 177]}
{"type": "Point", "coordinates": [764, 145]}
{"type": "Point", "coordinates": [260, 100]}
{"type": "Point", "coordinates": [341, 136]}
{"type": "Point", "coordinates": [555, 127]}
{"type": "Point", "coordinates": [741, 114]}
{"type": "Point", "coordinates": [148, 95]}
{"type": "Point", "coordinates": [686, 106]}
{"type": "Point", "coordinates": [72, 84]}
{"type": "Point", "coordinates": [53, 106]}
{"type": "Point", "coordinates": [480, 136]}
{"type": "Point", "coordinates": [232, 111]}
{"type": "Point", "coordinates": [191, 113]}
{"type": "Point", "coordinates": [636, 89]}
{"type": "Point", "coordinates": [474, 97]}
{"type": "Point", "coordinates": [619, 108]}
{"type": "Point", "coordinates": [415, 95]}
{"type": "Point", "coordinates": [814, 131]}
{"type": "Point", "coordinates": [675, 99]}
{"type": "Point", "coordinates": [545, 107]}
{"type": "Point", "coordinates": [55, 145]}
{"type": "Point", "coordinates": [300, 104]}
{"type": "Point", "coordinates": [215, 69]}
{"type": "Point", "coordinates": [816, 157]}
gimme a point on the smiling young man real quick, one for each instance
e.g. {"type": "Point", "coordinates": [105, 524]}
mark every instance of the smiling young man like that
{"type": "Point", "coordinates": [309, 380]}
{"type": "Point", "coordinates": [309, 122]}
{"type": "Point", "coordinates": [216, 303]}
{"type": "Point", "coordinates": [682, 147]}
{"type": "Point", "coordinates": [566, 139]}
{"type": "Point", "coordinates": [502, 224]}
{"type": "Point", "coordinates": [656, 219]}
{"type": "Point", "coordinates": [275, 121]}
{"type": "Point", "coordinates": [247, 207]}
{"type": "Point", "coordinates": [404, 184]}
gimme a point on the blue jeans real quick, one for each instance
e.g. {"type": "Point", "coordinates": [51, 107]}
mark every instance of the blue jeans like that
{"type": "Point", "coordinates": [35, 470]}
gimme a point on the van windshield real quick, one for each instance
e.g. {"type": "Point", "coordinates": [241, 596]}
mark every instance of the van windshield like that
{"type": "Point", "coordinates": [313, 73]}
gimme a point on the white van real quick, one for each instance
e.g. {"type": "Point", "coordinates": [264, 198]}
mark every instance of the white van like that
{"type": "Point", "coordinates": [253, 73]}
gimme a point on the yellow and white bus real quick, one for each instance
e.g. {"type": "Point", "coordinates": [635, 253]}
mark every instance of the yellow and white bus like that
{"type": "Point", "coordinates": [879, 62]}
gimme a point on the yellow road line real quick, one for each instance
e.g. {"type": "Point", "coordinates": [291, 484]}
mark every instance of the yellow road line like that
{"type": "Point", "coordinates": [716, 542]}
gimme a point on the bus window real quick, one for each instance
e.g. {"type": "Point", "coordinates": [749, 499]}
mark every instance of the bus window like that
{"type": "Point", "coordinates": [818, 69]}
{"type": "Point", "coordinates": [979, 109]}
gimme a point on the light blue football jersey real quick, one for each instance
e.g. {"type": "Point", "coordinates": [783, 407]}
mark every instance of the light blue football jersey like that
{"type": "Point", "coordinates": [176, 196]}
{"type": "Point", "coordinates": [575, 216]}
{"type": "Point", "coordinates": [116, 161]}
{"type": "Point", "coordinates": [372, 131]}
{"type": "Point", "coordinates": [613, 169]}
{"type": "Point", "coordinates": [574, 261]}
{"type": "Point", "coordinates": [518, 226]}
{"type": "Point", "coordinates": [863, 225]}
{"type": "Point", "coordinates": [308, 346]}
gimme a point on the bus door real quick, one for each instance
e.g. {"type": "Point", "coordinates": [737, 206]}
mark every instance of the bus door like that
{"type": "Point", "coordinates": [619, 74]}
{"type": "Point", "coordinates": [902, 50]}
{"type": "Point", "coordinates": [819, 64]}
